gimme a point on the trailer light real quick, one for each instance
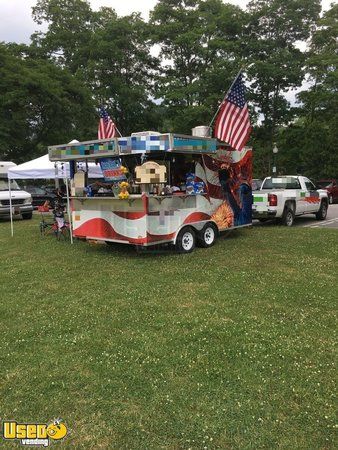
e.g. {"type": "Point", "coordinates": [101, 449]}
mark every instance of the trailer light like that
{"type": "Point", "coordinates": [272, 198]}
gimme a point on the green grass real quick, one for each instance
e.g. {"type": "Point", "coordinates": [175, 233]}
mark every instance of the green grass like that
{"type": "Point", "coordinates": [226, 348]}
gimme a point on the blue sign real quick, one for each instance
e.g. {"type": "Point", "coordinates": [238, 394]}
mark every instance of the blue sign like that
{"type": "Point", "coordinates": [112, 169]}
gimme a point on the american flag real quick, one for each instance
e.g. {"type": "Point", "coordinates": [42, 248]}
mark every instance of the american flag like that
{"type": "Point", "coordinates": [233, 122]}
{"type": "Point", "coordinates": [107, 128]}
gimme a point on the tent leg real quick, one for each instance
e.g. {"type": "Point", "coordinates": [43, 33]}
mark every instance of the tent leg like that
{"type": "Point", "coordinates": [69, 213]}
{"type": "Point", "coordinates": [10, 206]}
{"type": "Point", "coordinates": [56, 177]}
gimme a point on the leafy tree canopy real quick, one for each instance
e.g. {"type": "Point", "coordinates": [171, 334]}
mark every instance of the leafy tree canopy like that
{"type": "Point", "coordinates": [40, 104]}
{"type": "Point", "coordinates": [51, 88]}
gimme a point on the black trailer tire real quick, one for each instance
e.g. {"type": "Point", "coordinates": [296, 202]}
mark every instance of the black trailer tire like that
{"type": "Point", "coordinates": [322, 213]}
{"type": "Point", "coordinates": [288, 216]}
{"type": "Point", "coordinates": [186, 240]}
{"type": "Point", "coordinates": [207, 236]}
{"type": "Point", "coordinates": [27, 216]}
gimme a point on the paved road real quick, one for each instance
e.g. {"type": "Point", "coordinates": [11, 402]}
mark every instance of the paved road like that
{"type": "Point", "coordinates": [310, 221]}
{"type": "Point", "coordinates": [330, 222]}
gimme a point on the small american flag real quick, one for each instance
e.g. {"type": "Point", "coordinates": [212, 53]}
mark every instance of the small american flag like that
{"type": "Point", "coordinates": [107, 128]}
{"type": "Point", "coordinates": [233, 122]}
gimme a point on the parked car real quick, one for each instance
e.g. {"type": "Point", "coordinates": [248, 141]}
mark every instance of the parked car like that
{"type": "Point", "coordinates": [285, 197]}
{"type": "Point", "coordinates": [49, 189]}
{"type": "Point", "coordinates": [40, 195]}
{"type": "Point", "coordinates": [20, 200]}
{"type": "Point", "coordinates": [331, 186]}
{"type": "Point", "coordinates": [256, 184]}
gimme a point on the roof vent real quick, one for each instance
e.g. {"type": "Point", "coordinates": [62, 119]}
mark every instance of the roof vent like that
{"type": "Point", "coordinates": [146, 133]}
{"type": "Point", "coordinates": [201, 131]}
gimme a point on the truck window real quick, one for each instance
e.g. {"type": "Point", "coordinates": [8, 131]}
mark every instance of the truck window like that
{"type": "Point", "coordinates": [309, 185]}
{"type": "Point", "coordinates": [4, 185]}
{"type": "Point", "coordinates": [281, 183]}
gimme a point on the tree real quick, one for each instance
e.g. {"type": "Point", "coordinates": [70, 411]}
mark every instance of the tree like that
{"type": "Point", "coordinates": [40, 105]}
{"type": "Point", "coordinates": [199, 43]}
{"type": "Point", "coordinates": [120, 71]}
{"type": "Point", "coordinates": [315, 133]}
{"type": "Point", "coordinates": [275, 62]}
{"type": "Point", "coordinates": [70, 27]}
{"type": "Point", "coordinates": [108, 54]}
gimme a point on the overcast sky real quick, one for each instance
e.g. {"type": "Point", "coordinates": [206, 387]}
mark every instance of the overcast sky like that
{"type": "Point", "coordinates": [16, 24]}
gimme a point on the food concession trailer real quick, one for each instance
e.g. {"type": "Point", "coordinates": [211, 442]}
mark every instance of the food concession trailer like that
{"type": "Point", "coordinates": [158, 188]}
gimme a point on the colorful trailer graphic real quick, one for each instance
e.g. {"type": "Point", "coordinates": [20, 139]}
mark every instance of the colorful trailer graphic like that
{"type": "Point", "coordinates": [217, 197]}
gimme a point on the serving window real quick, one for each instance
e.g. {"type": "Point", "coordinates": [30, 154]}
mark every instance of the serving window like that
{"type": "Point", "coordinates": [154, 173]}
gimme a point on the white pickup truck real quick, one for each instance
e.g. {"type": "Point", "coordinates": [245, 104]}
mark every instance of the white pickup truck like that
{"type": "Point", "coordinates": [284, 197]}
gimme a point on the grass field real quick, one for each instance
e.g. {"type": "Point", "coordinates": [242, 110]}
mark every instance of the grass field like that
{"type": "Point", "coordinates": [226, 348]}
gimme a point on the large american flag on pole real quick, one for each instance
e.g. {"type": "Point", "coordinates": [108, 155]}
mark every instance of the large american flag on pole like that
{"type": "Point", "coordinates": [107, 128]}
{"type": "Point", "coordinates": [233, 121]}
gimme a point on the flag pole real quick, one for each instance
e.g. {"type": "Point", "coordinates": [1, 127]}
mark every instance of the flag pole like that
{"type": "Point", "coordinates": [118, 130]}
{"type": "Point", "coordinates": [69, 212]}
{"type": "Point", "coordinates": [219, 106]}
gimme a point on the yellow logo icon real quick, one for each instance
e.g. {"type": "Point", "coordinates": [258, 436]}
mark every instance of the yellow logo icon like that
{"type": "Point", "coordinates": [57, 430]}
{"type": "Point", "coordinates": [37, 434]}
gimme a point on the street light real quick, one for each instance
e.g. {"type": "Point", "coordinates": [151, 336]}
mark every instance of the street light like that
{"type": "Point", "coordinates": [274, 151]}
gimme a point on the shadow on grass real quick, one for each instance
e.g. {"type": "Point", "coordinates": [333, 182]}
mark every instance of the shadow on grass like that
{"type": "Point", "coordinates": [134, 251]}
{"type": "Point", "coordinates": [7, 219]}
{"type": "Point", "coordinates": [299, 221]}
{"type": "Point", "coordinates": [265, 223]}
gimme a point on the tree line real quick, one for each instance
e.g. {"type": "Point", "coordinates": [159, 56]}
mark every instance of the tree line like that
{"type": "Point", "coordinates": [171, 72]}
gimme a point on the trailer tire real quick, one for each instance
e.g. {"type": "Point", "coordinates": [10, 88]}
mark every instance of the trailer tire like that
{"type": "Point", "coordinates": [288, 216]}
{"type": "Point", "coordinates": [207, 236]}
{"type": "Point", "coordinates": [322, 213]}
{"type": "Point", "coordinates": [186, 240]}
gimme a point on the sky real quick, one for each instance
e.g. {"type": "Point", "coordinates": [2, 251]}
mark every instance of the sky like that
{"type": "Point", "coordinates": [16, 24]}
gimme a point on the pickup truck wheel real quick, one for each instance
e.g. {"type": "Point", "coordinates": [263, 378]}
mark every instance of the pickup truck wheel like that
{"type": "Point", "coordinates": [186, 240]}
{"type": "Point", "coordinates": [288, 217]}
{"type": "Point", "coordinates": [207, 237]}
{"type": "Point", "coordinates": [322, 213]}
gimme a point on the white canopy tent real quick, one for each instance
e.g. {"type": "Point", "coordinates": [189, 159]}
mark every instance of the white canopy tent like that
{"type": "Point", "coordinates": [42, 168]}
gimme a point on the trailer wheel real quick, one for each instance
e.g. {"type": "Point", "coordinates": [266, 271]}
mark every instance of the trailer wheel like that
{"type": "Point", "coordinates": [208, 235]}
{"type": "Point", "coordinates": [186, 240]}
